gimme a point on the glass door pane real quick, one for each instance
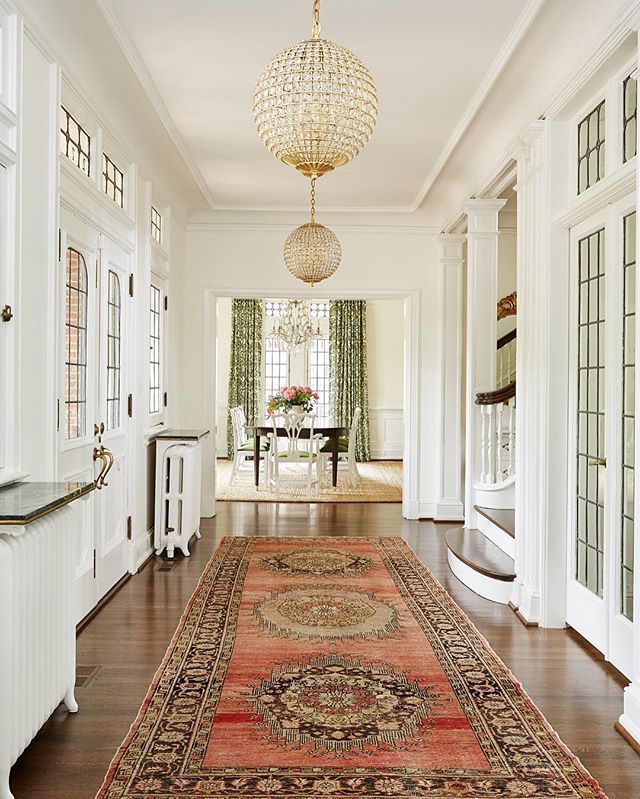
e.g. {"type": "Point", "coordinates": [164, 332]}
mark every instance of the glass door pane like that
{"type": "Point", "coordinates": [628, 417]}
{"type": "Point", "coordinates": [591, 417]}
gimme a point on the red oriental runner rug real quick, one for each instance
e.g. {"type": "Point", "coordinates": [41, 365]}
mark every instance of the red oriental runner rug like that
{"type": "Point", "coordinates": [332, 668]}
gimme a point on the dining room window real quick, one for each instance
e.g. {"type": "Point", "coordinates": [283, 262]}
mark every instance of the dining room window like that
{"type": "Point", "coordinates": [318, 372]}
{"type": "Point", "coordinates": [75, 378]}
{"type": "Point", "coordinates": [629, 118]}
{"type": "Point", "coordinates": [276, 366]}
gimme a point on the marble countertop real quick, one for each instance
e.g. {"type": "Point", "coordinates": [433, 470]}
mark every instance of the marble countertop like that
{"type": "Point", "coordinates": [182, 435]}
{"type": "Point", "coordinates": [21, 503]}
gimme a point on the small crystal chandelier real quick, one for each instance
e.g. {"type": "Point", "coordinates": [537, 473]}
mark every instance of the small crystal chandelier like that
{"type": "Point", "coordinates": [315, 105]}
{"type": "Point", "coordinates": [294, 328]}
{"type": "Point", "coordinates": [312, 252]}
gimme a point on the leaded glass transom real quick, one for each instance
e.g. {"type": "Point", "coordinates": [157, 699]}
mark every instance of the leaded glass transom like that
{"type": "Point", "coordinates": [629, 118]}
{"type": "Point", "coordinates": [591, 416]}
{"type": "Point", "coordinates": [628, 416]}
{"type": "Point", "coordinates": [319, 310]}
{"type": "Point", "coordinates": [112, 181]}
{"type": "Point", "coordinates": [75, 367]}
{"type": "Point", "coordinates": [75, 142]}
{"type": "Point", "coordinates": [276, 308]}
{"type": "Point", "coordinates": [154, 350]}
{"type": "Point", "coordinates": [114, 314]}
{"type": "Point", "coordinates": [591, 135]}
{"type": "Point", "coordinates": [156, 225]}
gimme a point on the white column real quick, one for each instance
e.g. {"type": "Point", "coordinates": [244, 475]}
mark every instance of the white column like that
{"type": "Point", "coordinates": [542, 449]}
{"type": "Point", "coordinates": [482, 296]}
{"type": "Point", "coordinates": [629, 722]}
{"type": "Point", "coordinates": [451, 257]}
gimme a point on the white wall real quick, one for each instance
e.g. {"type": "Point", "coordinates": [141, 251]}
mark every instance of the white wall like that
{"type": "Point", "coordinates": [234, 258]}
{"type": "Point", "coordinates": [385, 356]}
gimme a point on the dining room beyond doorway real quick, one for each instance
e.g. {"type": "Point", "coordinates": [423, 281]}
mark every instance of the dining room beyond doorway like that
{"type": "Point", "coordinates": [344, 361]}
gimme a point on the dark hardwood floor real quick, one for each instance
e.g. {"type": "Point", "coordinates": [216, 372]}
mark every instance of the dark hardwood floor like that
{"type": "Point", "coordinates": [579, 694]}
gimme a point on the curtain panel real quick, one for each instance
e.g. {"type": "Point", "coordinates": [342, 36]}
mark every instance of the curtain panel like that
{"type": "Point", "coordinates": [349, 379]}
{"type": "Point", "coordinates": [245, 376]}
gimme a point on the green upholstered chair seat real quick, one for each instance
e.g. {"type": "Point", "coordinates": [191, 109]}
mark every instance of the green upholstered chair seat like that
{"type": "Point", "coordinates": [343, 445]}
{"type": "Point", "coordinates": [248, 446]}
{"type": "Point", "coordinates": [302, 454]}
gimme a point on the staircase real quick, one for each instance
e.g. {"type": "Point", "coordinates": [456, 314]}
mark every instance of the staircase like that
{"type": "Point", "coordinates": [483, 557]}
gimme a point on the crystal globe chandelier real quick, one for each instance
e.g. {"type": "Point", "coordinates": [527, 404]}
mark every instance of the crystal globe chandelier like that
{"type": "Point", "coordinates": [312, 253]}
{"type": "Point", "coordinates": [315, 105]}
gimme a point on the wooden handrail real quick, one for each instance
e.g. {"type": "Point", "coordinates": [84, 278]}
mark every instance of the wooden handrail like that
{"type": "Point", "coordinates": [503, 340]}
{"type": "Point", "coordinates": [498, 396]}
{"type": "Point", "coordinates": [508, 306]}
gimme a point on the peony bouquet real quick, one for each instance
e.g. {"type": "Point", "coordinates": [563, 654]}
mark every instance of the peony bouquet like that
{"type": "Point", "coordinates": [298, 397]}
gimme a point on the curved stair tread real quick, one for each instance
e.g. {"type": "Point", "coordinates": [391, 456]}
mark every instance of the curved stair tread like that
{"type": "Point", "coordinates": [476, 551]}
{"type": "Point", "coordinates": [504, 519]}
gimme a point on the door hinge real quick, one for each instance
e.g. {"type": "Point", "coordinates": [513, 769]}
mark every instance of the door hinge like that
{"type": "Point", "coordinates": [165, 399]}
{"type": "Point", "coordinates": [166, 302]}
{"type": "Point", "coordinates": [129, 526]}
{"type": "Point", "coordinates": [131, 285]}
{"type": "Point", "coordinates": [130, 405]}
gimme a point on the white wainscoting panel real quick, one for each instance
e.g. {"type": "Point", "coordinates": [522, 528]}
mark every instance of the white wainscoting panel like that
{"type": "Point", "coordinates": [386, 427]}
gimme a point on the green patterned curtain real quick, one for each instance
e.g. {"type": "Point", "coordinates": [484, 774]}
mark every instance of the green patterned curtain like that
{"type": "Point", "coordinates": [349, 378]}
{"type": "Point", "coordinates": [245, 377]}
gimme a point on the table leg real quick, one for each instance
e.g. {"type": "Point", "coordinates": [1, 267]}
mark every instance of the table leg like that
{"type": "Point", "coordinates": [334, 459]}
{"type": "Point", "coordinates": [256, 459]}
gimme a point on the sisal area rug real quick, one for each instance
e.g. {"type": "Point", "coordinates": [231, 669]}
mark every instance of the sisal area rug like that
{"type": "Point", "coordinates": [332, 668]}
{"type": "Point", "coordinates": [380, 481]}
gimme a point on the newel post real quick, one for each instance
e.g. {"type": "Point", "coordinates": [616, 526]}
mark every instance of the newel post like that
{"type": "Point", "coordinates": [482, 296]}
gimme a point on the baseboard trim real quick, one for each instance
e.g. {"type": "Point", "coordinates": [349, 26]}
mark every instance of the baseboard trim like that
{"type": "Point", "coordinates": [627, 736]}
{"type": "Point", "coordinates": [520, 617]}
{"type": "Point", "coordinates": [101, 604]}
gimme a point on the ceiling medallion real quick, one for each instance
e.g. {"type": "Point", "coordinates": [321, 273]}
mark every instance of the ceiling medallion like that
{"type": "Point", "coordinates": [315, 105]}
{"type": "Point", "coordinates": [312, 253]}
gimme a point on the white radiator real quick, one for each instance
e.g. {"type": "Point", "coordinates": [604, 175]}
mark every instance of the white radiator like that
{"type": "Point", "coordinates": [37, 631]}
{"type": "Point", "coordinates": [178, 492]}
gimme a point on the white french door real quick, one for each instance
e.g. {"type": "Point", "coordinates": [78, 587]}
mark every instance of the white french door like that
{"type": "Point", "coordinates": [602, 432]}
{"type": "Point", "coordinates": [93, 429]}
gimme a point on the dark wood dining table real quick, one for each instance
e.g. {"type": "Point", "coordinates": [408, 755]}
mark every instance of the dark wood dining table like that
{"type": "Point", "coordinates": [326, 427]}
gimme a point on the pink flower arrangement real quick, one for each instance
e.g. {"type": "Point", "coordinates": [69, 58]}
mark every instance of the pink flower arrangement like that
{"type": "Point", "coordinates": [288, 396]}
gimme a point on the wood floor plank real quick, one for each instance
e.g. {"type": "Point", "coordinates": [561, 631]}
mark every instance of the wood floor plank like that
{"type": "Point", "coordinates": [578, 692]}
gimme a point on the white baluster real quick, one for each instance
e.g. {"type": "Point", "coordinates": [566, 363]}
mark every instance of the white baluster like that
{"type": "Point", "coordinates": [499, 442]}
{"type": "Point", "coordinates": [484, 444]}
{"type": "Point", "coordinates": [491, 437]}
{"type": "Point", "coordinates": [512, 435]}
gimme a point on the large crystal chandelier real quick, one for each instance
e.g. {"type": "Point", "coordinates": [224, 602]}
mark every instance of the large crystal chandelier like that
{"type": "Point", "coordinates": [312, 252]}
{"type": "Point", "coordinates": [294, 328]}
{"type": "Point", "coordinates": [315, 105]}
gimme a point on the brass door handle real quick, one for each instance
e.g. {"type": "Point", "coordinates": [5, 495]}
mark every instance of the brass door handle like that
{"type": "Point", "coordinates": [597, 461]}
{"type": "Point", "coordinates": [109, 461]}
{"type": "Point", "coordinates": [99, 453]}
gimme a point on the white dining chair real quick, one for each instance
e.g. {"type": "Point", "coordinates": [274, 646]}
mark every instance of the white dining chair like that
{"type": "Point", "coordinates": [298, 449]}
{"type": "Point", "coordinates": [243, 446]}
{"type": "Point", "coordinates": [346, 452]}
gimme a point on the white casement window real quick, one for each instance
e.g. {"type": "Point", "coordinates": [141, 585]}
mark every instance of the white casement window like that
{"type": "Point", "coordinates": [156, 350]}
{"type": "Point", "coordinates": [156, 225]}
{"type": "Point", "coordinates": [75, 368]}
{"type": "Point", "coordinates": [629, 118]}
{"type": "Point", "coordinates": [75, 141]}
{"type": "Point", "coordinates": [112, 181]}
{"type": "Point", "coordinates": [276, 366]}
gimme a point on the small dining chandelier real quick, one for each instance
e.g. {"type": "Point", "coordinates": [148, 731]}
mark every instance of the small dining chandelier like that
{"type": "Point", "coordinates": [315, 105]}
{"type": "Point", "coordinates": [294, 328]}
{"type": "Point", "coordinates": [312, 253]}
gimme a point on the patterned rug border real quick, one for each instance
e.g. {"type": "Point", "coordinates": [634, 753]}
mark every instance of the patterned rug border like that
{"type": "Point", "coordinates": [218, 555]}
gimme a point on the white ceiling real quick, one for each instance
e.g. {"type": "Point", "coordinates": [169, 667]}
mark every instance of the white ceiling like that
{"type": "Point", "coordinates": [429, 59]}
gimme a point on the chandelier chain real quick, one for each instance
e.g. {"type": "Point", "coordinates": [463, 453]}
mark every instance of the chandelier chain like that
{"type": "Point", "coordinates": [313, 199]}
{"type": "Point", "coordinates": [315, 32]}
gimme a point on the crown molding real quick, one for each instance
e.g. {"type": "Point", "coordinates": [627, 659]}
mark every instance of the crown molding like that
{"type": "Point", "coordinates": [280, 227]}
{"type": "Point", "coordinates": [517, 34]}
{"type": "Point", "coordinates": [143, 75]}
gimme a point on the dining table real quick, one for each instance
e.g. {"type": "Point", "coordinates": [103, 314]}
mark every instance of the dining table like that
{"type": "Point", "coordinates": [326, 427]}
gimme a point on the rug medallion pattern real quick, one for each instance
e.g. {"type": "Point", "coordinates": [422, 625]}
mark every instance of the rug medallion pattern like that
{"type": "Point", "coordinates": [333, 669]}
